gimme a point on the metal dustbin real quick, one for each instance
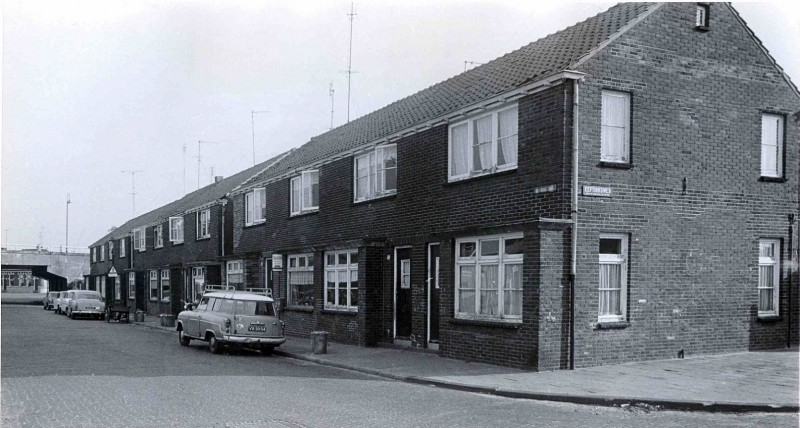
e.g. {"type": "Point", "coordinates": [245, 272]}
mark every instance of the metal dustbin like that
{"type": "Point", "coordinates": [319, 342]}
{"type": "Point", "coordinates": [138, 316]}
{"type": "Point", "coordinates": [167, 320]}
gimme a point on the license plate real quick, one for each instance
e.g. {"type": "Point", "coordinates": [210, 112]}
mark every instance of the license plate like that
{"type": "Point", "coordinates": [258, 328]}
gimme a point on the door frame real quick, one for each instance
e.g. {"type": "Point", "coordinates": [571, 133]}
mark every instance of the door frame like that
{"type": "Point", "coordinates": [434, 346]}
{"type": "Point", "coordinates": [394, 288]}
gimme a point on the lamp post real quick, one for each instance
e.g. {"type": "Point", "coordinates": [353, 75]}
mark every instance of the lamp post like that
{"type": "Point", "coordinates": [253, 127]}
{"type": "Point", "coordinates": [66, 247]}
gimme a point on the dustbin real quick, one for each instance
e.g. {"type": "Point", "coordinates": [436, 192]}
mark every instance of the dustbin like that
{"type": "Point", "coordinates": [319, 342]}
{"type": "Point", "coordinates": [167, 320]}
{"type": "Point", "coordinates": [138, 316]}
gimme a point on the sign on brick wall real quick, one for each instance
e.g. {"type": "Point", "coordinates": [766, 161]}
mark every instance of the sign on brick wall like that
{"type": "Point", "coordinates": [601, 192]}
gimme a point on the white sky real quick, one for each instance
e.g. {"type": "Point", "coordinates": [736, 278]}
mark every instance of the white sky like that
{"type": "Point", "coordinates": [92, 88]}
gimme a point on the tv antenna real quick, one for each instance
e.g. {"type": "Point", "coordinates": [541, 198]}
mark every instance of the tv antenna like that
{"type": "Point", "coordinates": [133, 172]}
{"type": "Point", "coordinates": [352, 16]}
{"type": "Point", "coordinates": [330, 92]}
{"type": "Point", "coordinates": [199, 157]}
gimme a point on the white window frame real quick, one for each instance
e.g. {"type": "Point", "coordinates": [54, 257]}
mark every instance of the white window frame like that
{"type": "Point", "coordinates": [139, 239]}
{"type": "Point", "coordinates": [102, 286]}
{"type": "Point", "coordinates": [131, 285]}
{"type": "Point", "coordinates": [305, 183]}
{"type": "Point", "coordinates": [605, 137]}
{"type": "Point", "coordinates": [94, 254]}
{"type": "Point", "coordinates": [471, 136]}
{"type": "Point", "coordinates": [376, 171]}
{"type": "Point", "coordinates": [775, 263]}
{"type": "Point", "coordinates": [176, 230]}
{"type": "Point", "coordinates": [198, 273]}
{"type": "Point", "coordinates": [122, 248]}
{"type": "Point", "coordinates": [772, 124]}
{"type": "Point", "coordinates": [204, 224]}
{"type": "Point", "coordinates": [334, 269]}
{"type": "Point", "coordinates": [153, 286]}
{"type": "Point", "coordinates": [234, 267]}
{"type": "Point", "coordinates": [102, 252]}
{"type": "Point", "coordinates": [293, 267]}
{"type": "Point", "coordinates": [255, 202]}
{"type": "Point", "coordinates": [701, 18]}
{"type": "Point", "coordinates": [164, 278]}
{"type": "Point", "coordinates": [110, 250]}
{"type": "Point", "coordinates": [501, 260]}
{"type": "Point", "coordinates": [622, 261]}
{"type": "Point", "coordinates": [158, 236]}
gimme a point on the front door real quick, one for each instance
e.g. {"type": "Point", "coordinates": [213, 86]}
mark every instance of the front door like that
{"type": "Point", "coordinates": [433, 296]}
{"type": "Point", "coordinates": [402, 308]}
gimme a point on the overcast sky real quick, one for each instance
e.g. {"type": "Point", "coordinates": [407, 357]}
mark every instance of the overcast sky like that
{"type": "Point", "coordinates": [90, 89]}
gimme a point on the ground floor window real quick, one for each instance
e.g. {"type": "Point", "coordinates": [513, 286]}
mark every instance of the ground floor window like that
{"type": "Point", "coordinates": [613, 280]}
{"type": "Point", "coordinates": [489, 277]}
{"type": "Point", "coordinates": [195, 292]}
{"type": "Point", "coordinates": [300, 271]}
{"type": "Point", "coordinates": [131, 285]}
{"type": "Point", "coordinates": [102, 289]}
{"type": "Point", "coordinates": [153, 285]}
{"type": "Point", "coordinates": [769, 268]}
{"type": "Point", "coordinates": [165, 287]}
{"type": "Point", "coordinates": [235, 274]}
{"type": "Point", "coordinates": [341, 280]}
{"type": "Point", "coordinates": [117, 288]}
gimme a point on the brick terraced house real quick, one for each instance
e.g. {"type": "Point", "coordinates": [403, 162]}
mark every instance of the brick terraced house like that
{"type": "Point", "coordinates": [617, 191]}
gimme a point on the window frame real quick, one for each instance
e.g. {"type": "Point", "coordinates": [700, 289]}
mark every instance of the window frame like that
{"type": "Point", "coordinates": [102, 252]}
{"type": "Point", "coordinates": [308, 266]}
{"type": "Point", "coordinates": [158, 236]}
{"type": "Point", "coordinates": [626, 157]}
{"type": "Point", "coordinates": [334, 270]}
{"type": "Point", "coordinates": [371, 156]}
{"type": "Point", "coordinates": [775, 263]}
{"type": "Point", "coordinates": [122, 248]}
{"type": "Point", "coordinates": [94, 254]}
{"type": "Point", "coordinates": [111, 250]}
{"type": "Point", "coordinates": [153, 276]}
{"type": "Point", "coordinates": [203, 225]}
{"type": "Point", "coordinates": [780, 145]}
{"type": "Point", "coordinates": [197, 272]}
{"type": "Point", "coordinates": [176, 232]}
{"type": "Point", "coordinates": [253, 215]}
{"type": "Point", "coordinates": [477, 260]}
{"type": "Point", "coordinates": [229, 271]}
{"type": "Point", "coordinates": [131, 285]}
{"type": "Point", "coordinates": [303, 209]}
{"type": "Point", "coordinates": [622, 260]}
{"type": "Point", "coordinates": [164, 277]}
{"type": "Point", "coordinates": [495, 130]}
{"type": "Point", "coordinates": [140, 239]}
{"type": "Point", "coordinates": [701, 21]}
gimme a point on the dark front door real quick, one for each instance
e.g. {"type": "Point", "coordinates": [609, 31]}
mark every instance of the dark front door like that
{"type": "Point", "coordinates": [403, 293]}
{"type": "Point", "coordinates": [433, 293]}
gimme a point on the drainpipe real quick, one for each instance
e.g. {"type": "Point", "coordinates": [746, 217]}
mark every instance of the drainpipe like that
{"type": "Point", "coordinates": [222, 234]}
{"type": "Point", "coordinates": [791, 274]}
{"type": "Point", "coordinates": [574, 261]}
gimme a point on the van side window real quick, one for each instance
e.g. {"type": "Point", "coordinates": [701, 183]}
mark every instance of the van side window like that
{"type": "Point", "coordinates": [227, 306]}
{"type": "Point", "coordinates": [203, 304]}
{"type": "Point", "coordinates": [217, 304]}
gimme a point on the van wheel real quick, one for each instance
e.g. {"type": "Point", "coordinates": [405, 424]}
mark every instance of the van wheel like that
{"type": "Point", "coordinates": [184, 339]}
{"type": "Point", "coordinates": [71, 314]}
{"type": "Point", "coordinates": [214, 346]}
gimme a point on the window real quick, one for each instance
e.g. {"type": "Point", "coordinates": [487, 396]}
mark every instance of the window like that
{"type": "Point", "coordinates": [484, 145]}
{"type": "Point", "coordinates": [613, 277]}
{"type": "Point", "coordinates": [102, 288]}
{"type": "Point", "coordinates": [154, 285]}
{"type": "Point", "coordinates": [117, 288]}
{"type": "Point", "coordinates": [102, 249]}
{"type": "Point", "coordinates": [138, 240]}
{"type": "Point", "coordinates": [111, 250]}
{"type": "Point", "coordinates": [203, 221]}
{"type": "Point", "coordinates": [341, 280]}
{"type": "Point", "coordinates": [158, 236]}
{"type": "Point", "coordinates": [489, 277]}
{"type": "Point", "coordinates": [305, 192]}
{"type": "Point", "coordinates": [122, 248]}
{"type": "Point", "coordinates": [301, 279]}
{"type": "Point", "coordinates": [176, 230]}
{"type": "Point", "coordinates": [165, 289]}
{"type": "Point", "coordinates": [769, 267]}
{"type": "Point", "coordinates": [615, 127]}
{"type": "Point", "coordinates": [131, 285]}
{"type": "Point", "coordinates": [235, 274]}
{"type": "Point", "coordinates": [255, 203]}
{"type": "Point", "coordinates": [376, 173]}
{"type": "Point", "coordinates": [94, 255]}
{"type": "Point", "coordinates": [195, 293]}
{"type": "Point", "coordinates": [771, 145]}
{"type": "Point", "coordinates": [701, 16]}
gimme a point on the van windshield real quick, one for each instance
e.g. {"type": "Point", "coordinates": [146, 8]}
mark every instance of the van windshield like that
{"type": "Point", "coordinates": [245, 307]}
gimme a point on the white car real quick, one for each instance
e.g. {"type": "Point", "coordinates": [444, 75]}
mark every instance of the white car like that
{"type": "Point", "coordinates": [85, 303]}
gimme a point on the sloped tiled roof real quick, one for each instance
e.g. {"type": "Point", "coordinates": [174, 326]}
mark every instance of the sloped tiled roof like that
{"type": "Point", "coordinates": [192, 200]}
{"type": "Point", "coordinates": [540, 59]}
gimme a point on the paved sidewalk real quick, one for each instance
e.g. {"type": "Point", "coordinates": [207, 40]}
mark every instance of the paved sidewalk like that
{"type": "Point", "coordinates": [742, 382]}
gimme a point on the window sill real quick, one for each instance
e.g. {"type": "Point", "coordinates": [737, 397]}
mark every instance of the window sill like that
{"type": "Point", "coordinates": [611, 325]}
{"type": "Point", "coordinates": [701, 28]}
{"type": "Point", "coordinates": [331, 311]}
{"type": "Point", "coordinates": [615, 165]}
{"type": "Point", "coordinates": [203, 238]}
{"type": "Point", "coordinates": [158, 248]}
{"type": "Point", "coordinates": [303, 214]}
{"type": "Point", "coordinates": [510, 324]}
{"type": "Point", "coordinates": [175, 244]}
{"type": "Point", "coordinates": [772, 179]}
{"type": "Point", "coordinates": [308, 309]}
{"type": "Point", "coordinates": [500, 173]}
{"type": "Point", "coordinates": [258, 223]}
{"type": "Point", "coordinates": [769, 318]}
{"type": "Point", "coordinates": [376, 198]}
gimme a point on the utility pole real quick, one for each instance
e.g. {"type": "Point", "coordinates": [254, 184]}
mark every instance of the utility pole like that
{"type": "Point", "coordinates": [199, 145]}
{"type": "Point", "coordinates": [253, 127]}
{"type": "Point", "coordinates": [330, 92]}
{"type": "Point", "coordinates": [352, 16]}
{"type": "Point", "coordinates": [66, 247]}
{"type": "Point", "coordinates": [133, 172]}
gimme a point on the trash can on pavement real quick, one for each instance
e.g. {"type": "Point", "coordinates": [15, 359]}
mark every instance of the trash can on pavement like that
{"type": "Point", "coordinates": [319, 342]}
{"type": "Point", "coordinates": [138, 316]}
{"type": "Point", "coordinates": [167, 320]}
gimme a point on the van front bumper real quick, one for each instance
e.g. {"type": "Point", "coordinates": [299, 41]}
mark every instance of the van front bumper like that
{"type": "Point", "coordinates": [249, 340]}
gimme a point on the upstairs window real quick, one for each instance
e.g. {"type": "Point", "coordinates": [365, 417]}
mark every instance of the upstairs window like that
{"type": "Point", "coordinates": [305, 192]}
{"type": "Point", "coordinates": [769, 268]}
{"type": "Point", "coordinates": [102, 253]}
{"type": "Point", "coordinates": [254, 205]}
{"type": "Point", "coordinates": [111, 250]}
{"type": "Point", "coordinates": [376, 173]}
{"type": "Point", "coordinates": [139, 239]}
{"type": "Point", "coordinates": [158, 236]}
{"type": "Point", "coordinates": [701, 16]}
{"type": "Point", "coordinates": [615, 127]}
{"type": "Point", "coordinates": [94, 255]}
{"type": "Point", "coordinates": [613, 277]}
{"type": "Point", "coordinates": [176, 230]}
{"type": "Point", "coordinates": [771, 145]}
{"type": "Point", "coordinates": [122, 248]}
{"type": "Point", "coordinates": [484, 145]}
{"type": "Point", "coordinates": [203, 221]}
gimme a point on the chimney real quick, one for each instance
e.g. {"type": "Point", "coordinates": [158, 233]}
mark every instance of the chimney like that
{"type": "Point", "coordinates": [217, 179]}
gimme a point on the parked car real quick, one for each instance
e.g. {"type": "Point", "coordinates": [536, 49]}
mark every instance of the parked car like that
{"type": "Point", "coordinates": [238, 319]}
{"type": "Point", "coordinates": [85, 303]}
{"type": "Point", "coordinates": [49, 300]}
{"type": "Point", "coordinates": [60, 302]}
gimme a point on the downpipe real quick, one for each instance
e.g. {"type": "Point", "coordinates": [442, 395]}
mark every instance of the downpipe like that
{"type": "Point", "coordinates": [574, 256]}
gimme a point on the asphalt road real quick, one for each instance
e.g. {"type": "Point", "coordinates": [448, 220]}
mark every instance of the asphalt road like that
{"type": "Point", "coordinates": [58, 372]}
